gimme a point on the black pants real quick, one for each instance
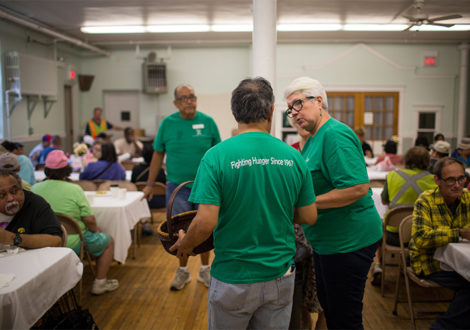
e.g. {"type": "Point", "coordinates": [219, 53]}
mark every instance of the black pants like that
{"type": "Point", "coordinates": [341, 279]}
{"type": "Point", "coordinates": [458, 314]}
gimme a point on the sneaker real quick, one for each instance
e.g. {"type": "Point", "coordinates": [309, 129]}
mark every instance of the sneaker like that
{"type": "Point", "coordinates": [182, 277]}
{"type": "Point", "coordinates": [109, 285]}
{"type": "Point", "coordinates": [205, 276]}
{"type": "Point", "coordinates": [376, 275]}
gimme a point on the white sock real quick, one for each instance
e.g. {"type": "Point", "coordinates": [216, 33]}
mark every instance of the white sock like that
{"type": "Point", "coordinates": [204, 267]}
{"type": "Point", "coordinates": [185, 268]}
{"type": "Point", "coordinates": [100, 281]}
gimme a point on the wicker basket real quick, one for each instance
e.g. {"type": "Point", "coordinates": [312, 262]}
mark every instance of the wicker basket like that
{"type": "Point", "coordinates": [168, 230]}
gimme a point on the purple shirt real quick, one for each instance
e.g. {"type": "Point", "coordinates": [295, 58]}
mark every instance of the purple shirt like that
{"type": "Point", "coordinates": [113, 172]}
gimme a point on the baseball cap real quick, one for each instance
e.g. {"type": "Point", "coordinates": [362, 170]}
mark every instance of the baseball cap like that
{"type": "Point", "coordinates": [46, 137]}
{"type": "Point", "coordinates": [464, 143]}
{"type": "Point", "coordinates": [442, 147]}
{"type": "Point", "coordinates": [56, 159]}
{"type": "Point", "coordinates": [9, 161]}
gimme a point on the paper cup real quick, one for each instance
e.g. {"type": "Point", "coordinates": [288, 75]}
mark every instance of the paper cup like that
{"type": "Point", "coordinates": [114, 192]}
{"type": "Point", "coordinates": [122, 193]}
{"type": "Point", "coordinates": [91, 199]}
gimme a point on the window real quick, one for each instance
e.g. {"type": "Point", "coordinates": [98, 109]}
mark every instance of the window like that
{"type": "Point", "coordinates": [427, 125]}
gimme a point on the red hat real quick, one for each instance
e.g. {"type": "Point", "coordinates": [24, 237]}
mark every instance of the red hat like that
{"type": "Point", "coordinates": [56, 159]}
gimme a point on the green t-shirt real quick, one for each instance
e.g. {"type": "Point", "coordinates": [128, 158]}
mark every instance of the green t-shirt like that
{"type": "Point", "coordinates": [67, 198]}
{"type": "Point", "coordinates": [256, 180]}
{"type": "Point", "coordinates": [185, 141]}
{"type": "Point", "coordinates": [335, 159]}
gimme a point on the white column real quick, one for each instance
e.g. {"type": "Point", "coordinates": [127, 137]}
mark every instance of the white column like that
{"type": "Point", "coordinates": [461, 119]}
{"type": "Point", "coordinates": [264, 39]}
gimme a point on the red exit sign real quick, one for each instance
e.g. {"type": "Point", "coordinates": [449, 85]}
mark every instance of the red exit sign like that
{"type": "Point", "coordinates": [430, 61]}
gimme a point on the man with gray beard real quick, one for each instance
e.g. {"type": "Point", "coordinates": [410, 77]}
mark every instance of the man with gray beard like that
{"type": "Point", "coordinates": [26, 219]}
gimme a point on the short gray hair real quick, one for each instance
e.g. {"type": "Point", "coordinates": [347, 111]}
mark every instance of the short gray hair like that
{"type": "Point", "coordinates": [252, 100]}
{"type": "Point", "coordinates": [175, 92]}
{"type": "Point", "coordinates": [308, 87]}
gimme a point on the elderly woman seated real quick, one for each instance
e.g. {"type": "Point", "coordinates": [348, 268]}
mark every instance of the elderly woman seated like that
{"type": "Point", "coordinates": [68, 198]}
{"type": "Point", "coordinates": [106, 168]}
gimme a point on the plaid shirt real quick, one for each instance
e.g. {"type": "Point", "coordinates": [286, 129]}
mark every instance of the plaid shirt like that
{"type": "Point", "coordinates": [434, 225]}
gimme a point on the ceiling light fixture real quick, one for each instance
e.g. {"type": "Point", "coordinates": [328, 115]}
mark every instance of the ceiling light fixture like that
{"type": "Point", "coordinates": [184, 28]}
{"type": "Point", "coordinates": [309, 27]}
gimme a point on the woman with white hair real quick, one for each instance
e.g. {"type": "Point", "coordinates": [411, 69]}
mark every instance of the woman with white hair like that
{"type": "Point", "coordinates": [348, 229]}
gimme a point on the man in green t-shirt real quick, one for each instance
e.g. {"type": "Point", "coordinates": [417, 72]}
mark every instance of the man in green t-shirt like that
{"type": "Point", "coordinates": [250, 188]}
{"type": "Point", "coordinates": [184, 137]}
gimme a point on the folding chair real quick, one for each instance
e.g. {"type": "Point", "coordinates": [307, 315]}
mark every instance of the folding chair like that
{"type": "Point", "coordinates": [392, 218]}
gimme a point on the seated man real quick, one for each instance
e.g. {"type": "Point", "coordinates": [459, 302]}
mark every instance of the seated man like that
{"type": "Point", "coordinates": [55, 145]}
{"type": "Point", "coordinates": [10, 162]}
{"type": "Point", "coordinates": [26, 220]}
{"type": "Point", "coordinates": [462, 152]}
{"type": "Point", "coordinates": [128, 144]}
{"type": "Point", "coordinates": [69, 198]}
{"type": "Point", "coordinates": [442, 216]}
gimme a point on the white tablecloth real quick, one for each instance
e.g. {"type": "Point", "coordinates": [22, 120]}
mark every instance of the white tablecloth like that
{"type": "Point", "coordinates": [74, 176]}
{"type": "Point", "coordinates": [456, 257]}
{"type": "Point", "coordinates": [381, 208]}
{"type": "Point", "coordinates": [374, 174]}
{"type": "Point", "coordinates": [42, 276]}
{"type": "Point", "coordinates": [118, 217]}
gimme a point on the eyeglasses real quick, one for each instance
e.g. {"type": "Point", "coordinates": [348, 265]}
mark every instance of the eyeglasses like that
{"type": "Point", "coordinates": [191, 98]}
{"type": "Point", "coordinates": [297, 105]}
{"type": "Point", "coordinates": [451, 180]}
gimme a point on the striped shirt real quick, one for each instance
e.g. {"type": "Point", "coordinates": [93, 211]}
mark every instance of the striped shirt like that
{"type": "Point", "coordinates": [435, 225]}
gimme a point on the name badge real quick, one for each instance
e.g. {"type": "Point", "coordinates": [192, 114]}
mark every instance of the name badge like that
{"type": "Point", "coordinates": [198, 126]}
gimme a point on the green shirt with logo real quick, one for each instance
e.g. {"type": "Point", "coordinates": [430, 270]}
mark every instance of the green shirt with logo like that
{"type": "Point", "coordinates": [335, 159]}
{"type": "Point", "coordinates": [185, 141]}
{"type": "Point", "coordinates": [256, 180]}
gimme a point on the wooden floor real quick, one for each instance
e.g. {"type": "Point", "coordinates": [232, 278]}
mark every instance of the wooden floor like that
{"type": "Point", "coordinates": [144, 300]}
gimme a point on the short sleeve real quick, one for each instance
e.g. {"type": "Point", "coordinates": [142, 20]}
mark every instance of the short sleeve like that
{"type": "Point", "coordinates": [307, 193]}
{"type": "Point", "coordinates": [206, 187]}
{"type": "Point", "coordinates": [346, 167]}
{"type": "Point", "coordinates": [158, 143]}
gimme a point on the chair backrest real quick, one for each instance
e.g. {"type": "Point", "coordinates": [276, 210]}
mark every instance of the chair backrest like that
{"type": "Point", "coordinates": [72, 227]}
{"type": "Point", "coordinates": [128, 165]}
{"type": "Point", "coordinates": [86, 185]}
{"type": "Point", "coordinates": [396, 215]}
{"type": "Point", "coordinates": [158, 189]}
{"type": "Point", "coordinates": [64, 235]}
{"type": "Point", "coordinates": [121, 184]}
{"type": "Point", "coordinates": [404, 233]}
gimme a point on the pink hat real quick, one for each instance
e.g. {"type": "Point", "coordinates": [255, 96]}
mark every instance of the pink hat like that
{"type": "Point", "coordinates": [56, 159]}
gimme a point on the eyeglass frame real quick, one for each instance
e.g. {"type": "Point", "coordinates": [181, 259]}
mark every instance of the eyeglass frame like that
{"type": "Point", "coordinates": [185, 98]}
{"type": "Point", "coordinates": [461, 180]}
{"type": "Point", "coordinates": [290, 108]}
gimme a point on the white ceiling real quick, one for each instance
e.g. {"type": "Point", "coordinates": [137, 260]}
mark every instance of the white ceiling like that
{"type": "Point", "coordinates": [67, 16]}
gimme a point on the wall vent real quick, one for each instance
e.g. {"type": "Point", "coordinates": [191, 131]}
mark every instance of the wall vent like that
{"type": "Point", "coordinates": [154, 78]}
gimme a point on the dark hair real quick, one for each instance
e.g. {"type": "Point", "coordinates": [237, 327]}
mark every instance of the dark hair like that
{"type": "Point", "coordinates": [5, 173]}
{"type": "Point", "coordinates": [443, 162]}
{"type": "Point", "coordinates": [127, 130]}
{"type": "Point", "coordinates": [390, 147]}
{"type": "Point", "coordinates": [108, 152]}
{"type": "Point", "coordinates": [147, 153]}
{"type": "Point", "coordinates": [10, 146]}
{"type": "Point", "coordinates": [439, 135]}
{"type": "Point", "coordinates": [59, 173]}
{"type": "Point", "coordinates": [417, 157]}
{"type": "Point", "coordinates": [422, 141]}
{"type": "Point", "coordinates": [252, 100]}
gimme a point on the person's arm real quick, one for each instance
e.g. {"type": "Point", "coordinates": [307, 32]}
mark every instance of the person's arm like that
{"type": "Point", "coordinates": [155, 165]}
{"type": "Point", "coordinates": [30, 241]}
{"type": "Point", "coordinates": [199, 230]}
{"type": "Point", "coordinates": [90, 223]}
{"type": "Point", "coordinates": [306, 214]}
{"type": "Point", "coordinates": [137, 148]}
{"type": "Point", "coordinates": [342, 197]}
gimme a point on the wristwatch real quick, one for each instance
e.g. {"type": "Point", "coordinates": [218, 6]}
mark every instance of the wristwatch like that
{"type": "Point", "coordinates": [17, 240]}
